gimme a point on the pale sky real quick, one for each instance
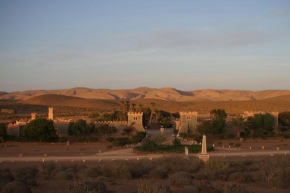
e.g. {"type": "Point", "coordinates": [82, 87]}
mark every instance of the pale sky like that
{"type": "Point", "coordinates": [115, 44]}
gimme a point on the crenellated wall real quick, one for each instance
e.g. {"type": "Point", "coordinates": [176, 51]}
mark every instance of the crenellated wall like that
{"type": "Point", "coordinates": [187, 122]}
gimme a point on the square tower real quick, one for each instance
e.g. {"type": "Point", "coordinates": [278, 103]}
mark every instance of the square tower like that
{"type": "Point", "coordinates": [50, 113]}
{"type": "Point", "coordinates": [135, 119]}
{"type": "Point", "coordinates": [33, 116]}
{"type": "Point", "coordinates": [188, 122]}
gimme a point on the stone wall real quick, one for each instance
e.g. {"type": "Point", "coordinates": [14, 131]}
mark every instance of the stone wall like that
{"type": "Point", "coordinates": [187, 122]}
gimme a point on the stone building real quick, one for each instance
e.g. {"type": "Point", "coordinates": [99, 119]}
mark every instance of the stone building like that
{"type": "Point", "coordinates": [187, 122]}
{"type": "Point", "coordinates": [50, 113]}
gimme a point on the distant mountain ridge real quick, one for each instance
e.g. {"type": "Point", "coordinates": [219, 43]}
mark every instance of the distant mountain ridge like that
{"type": "Point", "coordinates": [166, 94]}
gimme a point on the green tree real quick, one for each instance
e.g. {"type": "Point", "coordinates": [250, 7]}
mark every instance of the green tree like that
{"type": "Point", "coordinates": [3, 131]}
{"type": "Point", "coordinates": [218, 122]}
{"type": "Point", "coordinates": [80, 127]}
{"type": "Point", "coordinates": [240, 124]}
{"type": "Point", "coordinates": [40, 130]}
{"type": "Point", "coordinates": [284, 118]}
{"type": "Point", "coordinates": [261, 123]}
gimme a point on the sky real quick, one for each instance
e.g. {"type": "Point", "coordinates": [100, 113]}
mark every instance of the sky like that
{"type": "Point", "coordinates": [188, 45]}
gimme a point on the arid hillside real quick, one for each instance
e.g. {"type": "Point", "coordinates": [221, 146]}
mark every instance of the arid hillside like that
{"type": "Point", "coordinates": [274, 104]}
{"type": "Point", "coordinates": [166, 94]}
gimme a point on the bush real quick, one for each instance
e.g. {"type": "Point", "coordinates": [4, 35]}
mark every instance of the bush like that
{"type": "Point", "coordinates": [121, 170]}
{"type": "Point", "coordinates": [105, 129]}
{"type": "Point", "coordinates": [215, 165]}
{"type": "Point", "coordinates": [26, 173]}
{"type": "Point", "coordinates": [3, 130]}
{"type": "Point", "coordinates": [143, 187]}
{"type": "Point", "coordinates": [121, 141]}
{"type": "Point", "coordinates": [91, 173]}
{"type": "Point", "coordinates": [31, 182]}
{"type": "Point", "coordinates": [87, 187]}
{"type": "Point", "coordinates": [63, 175]}
{"type": "Point", "coordinates": [40, 130]}
{"type": "Point", "coordinates": [139, 137]}
{"type": "Point", "coordinates": [176, 141]}
{"type": "Point", "coordinates": [110, 139]}
{"type": "Point", "coordinates": [158, 173]}
{"type": "Point", "coordinates": [16, 187]}
{"type": "Point", "coordinates": [93, 139]}
{"type": "Point", "coordinates": [96, 186]}
{"type": "Point", "coordinates": [234, 188]}
{"type": "Point", "coordinates": [62, 139]}
{"type": "Point", "coordinates": [149, 145]}
{"type": "Point", "coordinates": [278, 182]}
{"type": "Point", "coordinates": [180, 178]}
{"type": "Point", "coordinates": [231, 136]}
{"type": "Point", "coordinates": [190, 188]}
{"type": "Point", "coordinates": [129, 130]}
{"type": "Point", "coordinates": [5, 178]}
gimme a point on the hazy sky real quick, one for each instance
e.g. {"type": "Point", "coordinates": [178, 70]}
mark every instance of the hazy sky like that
{"type": "Point", "coordinates": [56, 44]}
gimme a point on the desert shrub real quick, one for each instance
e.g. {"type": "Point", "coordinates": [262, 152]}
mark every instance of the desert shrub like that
{"type": "Point", "coordinates": [176, 141]}
{"type": "Point", "coordinates": [158, 173]}
{"type": "Point", "coordinates": [62, 139]}
{"type": "Point", "coordinates": [240, 176]}
{"type": "Point", "coordinates": [80, 139]}
{"type": "Point", "coordinates": [129, 130]}
{"type": "Point", "coordinates": [26, 173]}
{"type": "Point", "coordinates": [63, 175]}
{"type": "Point", "coordinates": [149, 145]}
{"type": "Point", "coordinates": [87, 187]}
{"type": "Point", "coordinates": [138, 137]}
{"type": "Point", "coordinates": [31, 182]}
{"type": "Point", "coordinates": [206, 175]}
{"type": "Point", "coordinates": [16, 187]}
{"type": "Point", "coordinates": [110, 139]}
{"type": "Point", "coordinates": [144, 187]}
{"type": "Point", "coordinates": [91, 173]}
{"type": "Point", "coordinates": [234, 188]}
{"type": "Point", "coordinates": [205, 186]}
{"type": "Point", "coordinates": [93, 139]}
{"type": "Point", "coordinates": [109, 146]}
{"type": "Point", "coordinates": [190, 188]}
{"type": "Point", "coordinates": [180, 178]}
{"type": "Point", "coordinates": [46, 170]}
{"type": "Point", "coordinates": [121, 141]}
{"type": "Point", "coordinates": [5, 178]}
{"type": "Point", "coordinates": [216, 165]}
{"type": "Point", "coordinates": [103, 179]}
{"type": "Point", "coordinates": [180, 164]}
{"type": "Point", "coordinates": [96, 186]}
{"type": "Point", "coordinates": [121, 170]}
{"type": "Point", "coordinates": [278, 182]}
{"type": "Point", "coordinates": [231, 144]}
{"type": "Point", "coordinates": [220, 143]}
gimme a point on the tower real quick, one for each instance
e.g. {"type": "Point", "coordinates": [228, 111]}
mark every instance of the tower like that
{"type": "Point", "coordinates": [33, 116]}
{"type": "Point", "coordinates": [135, 119]}
{"type": "Point", "coordinates": [188, 121]}
{"type": "Point", "coordinates": [50, 113]}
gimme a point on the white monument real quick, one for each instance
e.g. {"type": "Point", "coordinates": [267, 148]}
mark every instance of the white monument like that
{"type": "Point", "coordinates": [204, 156]}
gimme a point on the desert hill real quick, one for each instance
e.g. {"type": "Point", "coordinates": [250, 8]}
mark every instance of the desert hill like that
{"type": "Point", "coordinates": [166, 94]}
{"type": "Point", "coordinates": [281, 103]}
{"type": "Point", "coordinates": [68, 101]}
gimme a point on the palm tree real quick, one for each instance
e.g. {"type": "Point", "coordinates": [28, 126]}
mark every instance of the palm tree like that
{"type": "Point", "coordinates": [133, 107]}
{"type": "Point", "coordinates": [240, 124]}
{"type": "Point", "coordinates": [140, 107]}
{"type": "Point", "coordinates": [152, 111]}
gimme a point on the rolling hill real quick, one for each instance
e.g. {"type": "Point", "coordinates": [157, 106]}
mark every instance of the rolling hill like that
{"type": "Point", "coordinates": [281, 103]}
{"type": "Point", "coordinates": [166, 94]}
